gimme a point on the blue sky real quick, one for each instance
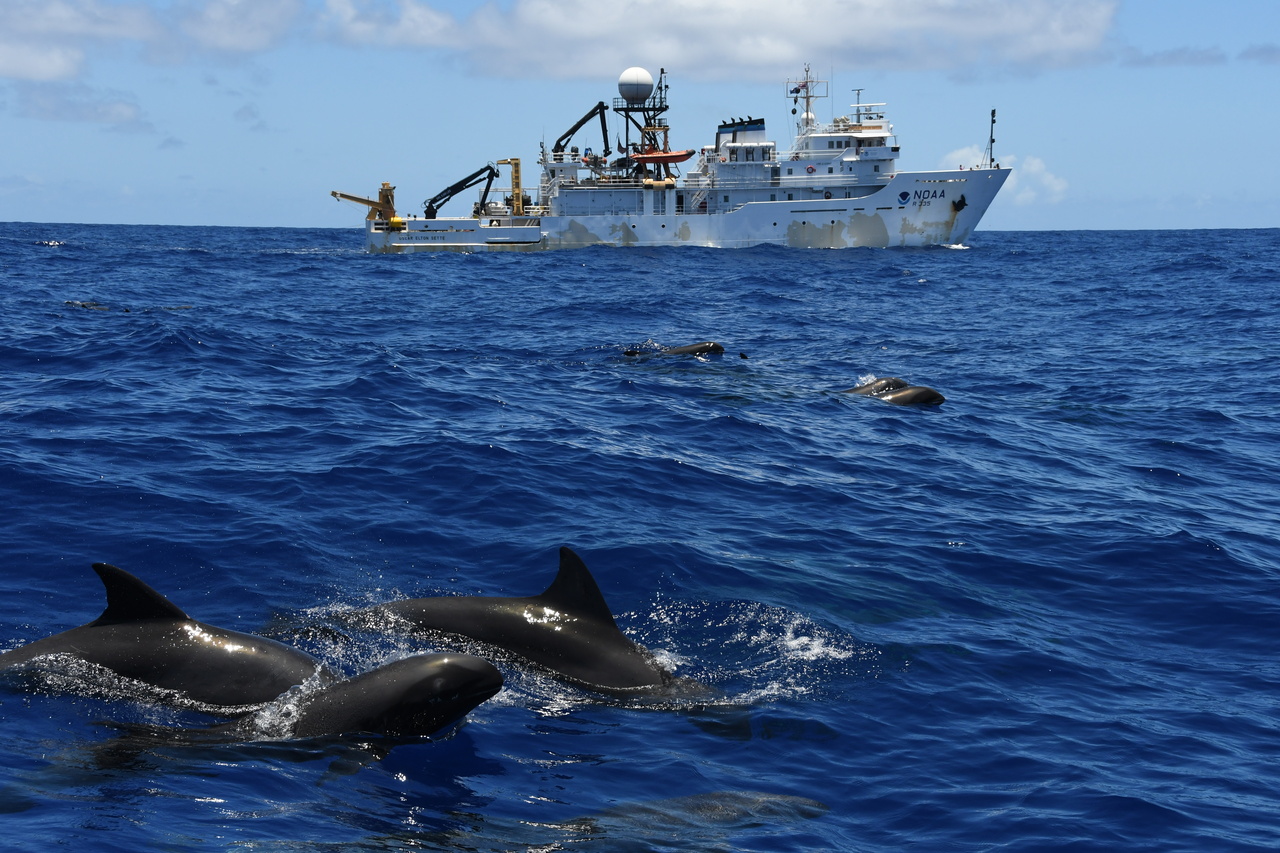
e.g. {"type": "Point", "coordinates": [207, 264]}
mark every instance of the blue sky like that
{"type": "Point", "coordinates": [1112, 113]}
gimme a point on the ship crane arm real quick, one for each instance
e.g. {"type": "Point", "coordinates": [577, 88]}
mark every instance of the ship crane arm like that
{"type": "Point", "coordinates": [598, 110]}
{"type": "Point", "coordinates": [431, 205]}
{"type": "Point", "coordinates": [383, 208]}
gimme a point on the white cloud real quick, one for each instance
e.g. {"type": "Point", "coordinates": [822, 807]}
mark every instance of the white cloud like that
{"type": "Point", "coordinates": [416, 24]}
{"type": "Point", "coordinates": [88, 19]}
{"type": "Point", "coordinates": [753, 38]}
{"type": "Point", "coordinates": [80, 103]}
{"type": "Point", "coordinates": [242, 26]}
{"type": "Point", "coordinates": [967, 157]}
{"type": "Point", "coordinates": [758, 39]}
{"type": "Point", "coordinates": [1031, 181]}
{"type": "Point", "coordinates": [39, 62]}
{"type": "Point", "coordinates": [45, 40]}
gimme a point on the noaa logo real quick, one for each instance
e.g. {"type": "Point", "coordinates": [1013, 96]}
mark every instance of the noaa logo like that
{"type": "Point", "coordinates": [921, 196]}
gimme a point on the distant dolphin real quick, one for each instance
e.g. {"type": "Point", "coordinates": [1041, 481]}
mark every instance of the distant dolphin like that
{"type": "Point", "coordinates": [704, 348]}
{"type": "Point", "coordinates": [418, 695]}
{"type": "Point", "coordinates": [568, 630]}
{"type": "Point", "coordinates": [891, 389]}
{"type": "Point", "coordinates": [879, 386]}
{"type": "Point", "coordinates": [143, 636]}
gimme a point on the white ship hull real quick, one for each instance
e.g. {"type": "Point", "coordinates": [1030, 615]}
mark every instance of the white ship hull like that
{"type": "Point", "coordinates": [927, 218]}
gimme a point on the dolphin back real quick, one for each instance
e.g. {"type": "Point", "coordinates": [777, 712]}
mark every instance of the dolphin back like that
{"type": "Point", "coordinates": [567, 629]}
{"type": "Point", "coordinates": [419, 695]}
{"type": "Point", "coordinates": [143, 636]}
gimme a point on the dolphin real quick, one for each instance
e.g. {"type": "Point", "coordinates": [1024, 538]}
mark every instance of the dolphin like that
{"type": "Point", "coordinates": [143, 636]}
{"type": "Point", "coordinates": [567, 630]}
{"type": "Point", "coordinates": [891, 389]}
{"type": "Point", "coordinates": [879, 386]}
{"type": "Point", "coordinates": [418, 695]}
{"type": "Point", "coordinates": [913, 395]}
{"type": "Point", "coordinates": [703, 348]}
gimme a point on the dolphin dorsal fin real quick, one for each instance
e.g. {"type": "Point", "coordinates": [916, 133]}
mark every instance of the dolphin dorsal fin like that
{"type": "Point", "coordinates": [131, 600]}
{"type": "Point", "coordinates": [575, 590]}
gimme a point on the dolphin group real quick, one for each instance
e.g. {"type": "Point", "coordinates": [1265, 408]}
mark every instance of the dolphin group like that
{"type": "Point", "coordinates": [143, 636]}
{"type": "Point", "coordinates": [566, 630]}
{"type": "Point", "coordinates": [890, 389]}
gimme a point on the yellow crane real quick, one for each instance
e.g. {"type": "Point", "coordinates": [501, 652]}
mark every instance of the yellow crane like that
{"type": "Point", "coordinates": [517, 197]}
{"type": "Point", "coordinates": [383, 208]}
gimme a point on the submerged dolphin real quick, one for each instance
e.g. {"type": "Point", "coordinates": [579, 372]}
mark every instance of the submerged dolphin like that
{"type": "Point", "coordinates": [568, 630]}
{"type": "Point", "coordinates": [891, 389]}
{"type": "Point", "coordinates": [144, 636]}
{"type": "Point", "coordinates": [418, 695]}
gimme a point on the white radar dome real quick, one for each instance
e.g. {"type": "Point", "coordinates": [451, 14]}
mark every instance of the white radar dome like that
{"type": "Point", "coordinates": [635, 85]}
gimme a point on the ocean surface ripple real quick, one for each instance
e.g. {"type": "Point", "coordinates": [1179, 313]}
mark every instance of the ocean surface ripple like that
{"type": "Point", "coordinates": [1041, 616]}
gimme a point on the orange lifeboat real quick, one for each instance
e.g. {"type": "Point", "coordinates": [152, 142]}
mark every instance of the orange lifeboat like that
{"type": "Point", "coordinates": [655, 156]}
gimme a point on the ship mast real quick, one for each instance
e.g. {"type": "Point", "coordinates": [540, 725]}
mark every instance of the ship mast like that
{"type": "Point", "coordinates": [810, 89]}
{"type": "Point", "coordinates": [989, 156]}
{"type": "Point", "coordinates": [649, 105]}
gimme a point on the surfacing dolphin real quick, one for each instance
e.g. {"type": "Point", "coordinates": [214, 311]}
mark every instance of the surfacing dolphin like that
{"type": "Point", "coordinates": [567, 630]}
{"type": "Point", "coordinates": [702, 348]}
{"type": "Point", "coordinates": [414, 696]}
{"type": "Point", "coordinates": [891, 389]}
{"type": "Point", "coordinates": [143, 636]}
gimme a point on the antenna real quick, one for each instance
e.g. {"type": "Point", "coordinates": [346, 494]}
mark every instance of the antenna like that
{"type": "Point", "coordinates": [988, 158]}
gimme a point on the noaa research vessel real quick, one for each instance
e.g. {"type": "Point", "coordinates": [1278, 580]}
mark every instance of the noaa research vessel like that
{"type": "Point", "coordinates": [836, 187]}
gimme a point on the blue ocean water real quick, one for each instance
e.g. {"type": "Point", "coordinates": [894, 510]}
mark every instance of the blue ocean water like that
{"type": "Point", "coordinates": [1042, 616]}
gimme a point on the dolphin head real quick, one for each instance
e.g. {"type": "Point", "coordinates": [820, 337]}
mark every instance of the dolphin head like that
{"type": "Point", "coordinates": [418, 695]}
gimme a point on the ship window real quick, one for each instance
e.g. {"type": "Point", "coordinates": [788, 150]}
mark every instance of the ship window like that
{"type": "Point", "coordinates": [788, 170]}
{"type": "Point", "coordinates": [733, 155]}
{"type": "Point", "coordinates": [877, 167]}
{"type": "Point", "coordinates": [726, 199]}
{"type": "Point", "coordinates": [830, 170]}
{"type": "Point", "coordinates": [751, 154]}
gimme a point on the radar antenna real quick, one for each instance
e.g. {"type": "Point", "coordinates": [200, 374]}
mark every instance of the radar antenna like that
{"type": "Point", "coordinates": [808, 89]}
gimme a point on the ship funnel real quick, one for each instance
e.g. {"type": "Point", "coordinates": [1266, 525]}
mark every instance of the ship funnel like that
{"type": "Point", "coordinates": [635, 85]}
